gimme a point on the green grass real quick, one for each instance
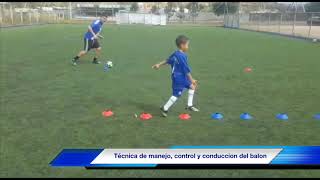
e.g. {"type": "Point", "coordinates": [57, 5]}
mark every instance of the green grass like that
{"type": "Point", "coordinates": [48, 105]}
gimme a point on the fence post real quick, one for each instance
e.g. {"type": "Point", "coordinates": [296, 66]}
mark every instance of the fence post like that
{"type": "Point", "coordinates": [280, 22]}
{"type": "Point", "coordinates": [70, 11]}
{"type": "Point", "coordinates": [224, 17]}
{"type": "Point", "coordinates": [11, 15]}
{"type": "Point", "coordinates": [37, 14]}
{"type": "Point", "coordinates": [1, 17]}
{"type": "Point", "coordinates": [259, 18]}
{"type": "Point", "coordinates": [30, 18]}
{"type": "Point", "coordinates": [294, 23]}
{"type": "Point", "coordinates": [96, 12]}
{"type": "Point", "coordinates": [21, 17]}
{"type": "Point", "coordinates": [128, 18]}
{"type": "Point", "coordinates": [310, 26]}
{"type": "Point", "coordinates": [232, 21]}
{"type": "Point", "coordinates": [239, 20]}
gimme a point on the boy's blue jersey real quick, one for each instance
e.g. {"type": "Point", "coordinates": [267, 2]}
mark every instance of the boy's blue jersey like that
{"type": "Point", "coordinates": [180, 67]}
{"type": "Point", "coordinates": [96, 27]}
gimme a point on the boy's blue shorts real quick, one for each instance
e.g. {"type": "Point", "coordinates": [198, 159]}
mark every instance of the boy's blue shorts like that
{"type": "Point", "coordinates": [179, 85]}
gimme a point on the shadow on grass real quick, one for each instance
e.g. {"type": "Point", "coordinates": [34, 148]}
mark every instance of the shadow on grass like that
{"type": "Point", "coordinates": [145, 107]}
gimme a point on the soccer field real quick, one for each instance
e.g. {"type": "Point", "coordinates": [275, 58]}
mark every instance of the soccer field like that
{"type": "Point", "coordinates": [48, 105]}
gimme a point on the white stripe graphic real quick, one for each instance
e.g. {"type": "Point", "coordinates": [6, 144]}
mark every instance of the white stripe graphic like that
{"type": "Point", "coordinates": [186, 156]}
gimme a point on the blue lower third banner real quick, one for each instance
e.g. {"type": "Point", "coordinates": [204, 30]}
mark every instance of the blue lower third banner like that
{"type": "Point", "coordinates": [192, 157]}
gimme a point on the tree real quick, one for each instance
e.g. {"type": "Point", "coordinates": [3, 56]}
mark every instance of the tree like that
{"type": "Point", "coordinates": [169, 10]}
{"type": "Point", "coordinates": [312, 7]}
{"type": "Point", "coordinates": [154, 9]}
{"type": "Point", "coordinates": [134, 7]}
{"type": "Point", "coordinates": [194, 9]}
{"type": "Point", "coordinates": [181, 14]}
{"type": "Point", "coordinates": [201, 7]}
{"type": "Point", "coordinates": [225, 7]}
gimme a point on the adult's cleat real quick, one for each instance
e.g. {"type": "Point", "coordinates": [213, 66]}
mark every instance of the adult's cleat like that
{"type": "Point", "coordinates": [192, 108]}
{"type": "Point", "coordinates": [96, 62]}
{"type": "Point", "coordinates": [74, 62]}
{"type": "Point", "coordinates": [163, 112]}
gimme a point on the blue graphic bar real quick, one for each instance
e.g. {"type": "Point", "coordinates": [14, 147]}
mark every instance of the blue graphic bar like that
{"type": "Point", "coordinates": [75, 157]}
{"type": "Point", "coordinates": [289, 155]}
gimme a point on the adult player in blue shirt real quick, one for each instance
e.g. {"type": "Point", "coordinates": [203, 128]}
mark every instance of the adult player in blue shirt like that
{"type": "Point", "coordinates": [180, 75]}
{"type": "Point", "coordinates": [91, 40]}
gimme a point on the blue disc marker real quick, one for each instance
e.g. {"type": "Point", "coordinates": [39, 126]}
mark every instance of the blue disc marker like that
{"type": "Point", "coordinates": [217, 116]}
{"type": "Point", "coordinates": [282, 116]}
{"type": "Point", "coordinates": [245, 116]}
{"type": "Point", "coordinates": [317, 116]}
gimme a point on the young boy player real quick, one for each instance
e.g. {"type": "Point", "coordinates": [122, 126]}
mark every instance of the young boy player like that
{"type": "Point", "coordinates": [180, 75]}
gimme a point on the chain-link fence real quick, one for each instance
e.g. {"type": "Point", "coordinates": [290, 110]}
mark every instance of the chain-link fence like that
{"type": "Point", "coordinates": [305, 25]}
{"type": "Point", "coordinates": [91, 11]}
{"type": "Point", "coordinates": [13, 16]}
{"type": "Point", "coordinates": [122, 16]}
{"type": "Point", "coordinates": [290, 23]}
{"type": "Point", "coordinates": [201, 18]}
{"type": "Point", "coordinates": [141, 18]}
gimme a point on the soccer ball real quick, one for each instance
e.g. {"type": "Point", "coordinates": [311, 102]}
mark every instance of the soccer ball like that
{"type": "Point", "coordinates": [314, 40]}
{"type": "Point", "coordinates": [109, 64]}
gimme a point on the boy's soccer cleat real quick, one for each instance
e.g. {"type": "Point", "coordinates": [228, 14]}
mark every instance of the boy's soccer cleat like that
{"type": "Point", "coordinates": [192, 108]}
{"type": "Point", "coordinates": [163, 112]}
{"type": "Point", "coordinates": [96, 62]}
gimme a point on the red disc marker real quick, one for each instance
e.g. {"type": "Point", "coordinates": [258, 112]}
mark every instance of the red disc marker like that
{"type": "Point", "coordinates": [248, 69]}
{"type": "Point", "coordinates": [145, 116]}
{"type": "Point", "coordinates": [184, 116]}
{"type": "Point", "coordinates": [107, 113]}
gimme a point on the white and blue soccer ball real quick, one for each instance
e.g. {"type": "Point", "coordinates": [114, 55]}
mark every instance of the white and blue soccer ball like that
{"type": "Point", "coordinates": [109, 64]}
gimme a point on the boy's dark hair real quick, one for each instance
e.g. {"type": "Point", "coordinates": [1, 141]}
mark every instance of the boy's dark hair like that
{"type": "Point", "coordinates": [182, 39]}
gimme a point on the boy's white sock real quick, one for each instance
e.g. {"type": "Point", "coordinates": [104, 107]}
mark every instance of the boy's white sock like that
{"type": "Point", "coordinates": [190, 97]}
{"type": "Point", "coordinates": [170, 102]}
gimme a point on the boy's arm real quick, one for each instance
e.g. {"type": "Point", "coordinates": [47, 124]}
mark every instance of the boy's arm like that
{"type": "Point", "coordinates": [193, 81]}
{"type": "Point", "coordinates": [187, 71]}
{"type": "Point", "coordinates": [158, 65]}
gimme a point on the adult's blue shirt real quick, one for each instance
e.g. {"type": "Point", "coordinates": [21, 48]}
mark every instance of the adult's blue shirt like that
{"type": "Point", "coordinates": [96, 27]}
